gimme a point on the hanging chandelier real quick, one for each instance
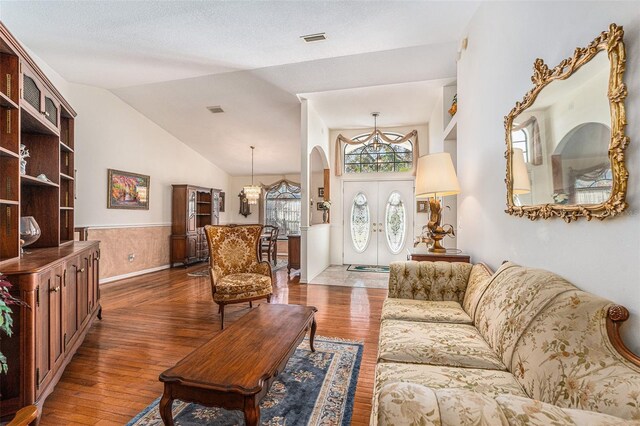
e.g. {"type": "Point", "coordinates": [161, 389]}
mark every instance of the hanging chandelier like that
{"type": "Point", "coordinates": [252, 192]}
{"type": "Point", "coordinates": [375, 143]}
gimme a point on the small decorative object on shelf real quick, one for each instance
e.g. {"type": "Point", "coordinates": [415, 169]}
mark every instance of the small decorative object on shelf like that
{"type": "Point", "coordinates": [29, 231]}
{"type": "Point", "coordinates": [454, 105]}
{"type": "Point", "coordinates": [24, 153]}
{"type": "Point", "coordinates": [44, 178]}
{"type": "Point", "coordinates": [325, 206]}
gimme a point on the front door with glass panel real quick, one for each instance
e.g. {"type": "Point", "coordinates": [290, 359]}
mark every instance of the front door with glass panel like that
{"type": "Point", "coordinates": [378, 221]}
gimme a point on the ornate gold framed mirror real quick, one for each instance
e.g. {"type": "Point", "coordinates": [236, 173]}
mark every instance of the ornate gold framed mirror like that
{"type": "Point", "coordinates": [566, 140]}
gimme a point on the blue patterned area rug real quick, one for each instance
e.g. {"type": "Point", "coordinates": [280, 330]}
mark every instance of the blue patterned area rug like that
{"type": "Point", "coordinates": [315, 388]}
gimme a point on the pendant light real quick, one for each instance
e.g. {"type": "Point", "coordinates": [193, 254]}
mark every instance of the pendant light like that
{"type": "Point", "coordinates": [252, 192]}
{"type": "Point", "coordinates": [376, 139]}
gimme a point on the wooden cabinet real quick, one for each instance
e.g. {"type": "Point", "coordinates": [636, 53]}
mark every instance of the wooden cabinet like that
{"type": "Point", "coordinates": [33, 114]}
{"type": "Point", "coordinates": [193, 208]}
{"type": "Point", "coordinates": [293, 250]}
{"type": "Point", "coordinates": [60, 286]}
{"type": "Point", "coordinates": [57, 277]}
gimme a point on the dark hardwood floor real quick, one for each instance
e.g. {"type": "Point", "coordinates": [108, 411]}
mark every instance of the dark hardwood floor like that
{"type": "Point", "coordinates": [152, 321]}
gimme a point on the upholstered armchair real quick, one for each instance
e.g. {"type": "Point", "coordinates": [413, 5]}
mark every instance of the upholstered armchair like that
{"type": "Point", "coordinates": [236, 273]}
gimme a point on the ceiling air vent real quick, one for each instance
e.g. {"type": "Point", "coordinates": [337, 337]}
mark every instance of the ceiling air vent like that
{"type": "Point", "coordinates": [215, 109]}
{"type": "Point", "coordinates": [310, 38]}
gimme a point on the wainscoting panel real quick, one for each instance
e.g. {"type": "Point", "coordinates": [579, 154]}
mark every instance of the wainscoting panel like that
{"type": "Point", "coordinates": [148, 244]}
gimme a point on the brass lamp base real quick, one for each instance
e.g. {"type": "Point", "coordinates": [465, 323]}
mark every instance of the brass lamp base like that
{"type": "Point", "coordinates": [436, 247]}
{"type": "Point", "coordinates": [436, 231]}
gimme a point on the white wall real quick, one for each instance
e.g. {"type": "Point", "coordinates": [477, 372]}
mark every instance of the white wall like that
{"type": "Point", "coordinates": [438, 120]}
{"type": "Point", "coordinates": [337, 215]}
{"type": "Point", "coordinates": [493, 73]}
{"type": "Point", "coordinates": [111, 134]}
{"type": "Point", "coordinates": [315, 242]}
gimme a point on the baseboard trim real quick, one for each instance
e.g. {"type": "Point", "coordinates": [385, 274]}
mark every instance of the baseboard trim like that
{"type": "Point", "coordinates": [132, 274]}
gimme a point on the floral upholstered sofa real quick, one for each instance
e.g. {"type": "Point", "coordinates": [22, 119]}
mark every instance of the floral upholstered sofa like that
{"type": "Point", "coordinates": [462, 346]}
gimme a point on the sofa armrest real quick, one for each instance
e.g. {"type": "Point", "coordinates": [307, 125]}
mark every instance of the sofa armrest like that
{"type": "Point", "coordinates": [429, 280]}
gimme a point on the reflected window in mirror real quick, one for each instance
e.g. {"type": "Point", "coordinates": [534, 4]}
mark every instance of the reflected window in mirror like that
{"type": "Point", "coordinates": [520, 140]}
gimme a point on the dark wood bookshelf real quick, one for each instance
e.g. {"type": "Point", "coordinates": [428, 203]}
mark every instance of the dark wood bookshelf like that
{"type": "Point", "coordinates": [57, 276]}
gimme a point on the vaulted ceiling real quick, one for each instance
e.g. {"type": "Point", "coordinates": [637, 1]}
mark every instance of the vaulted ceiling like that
{"type": "Point", "coordinates": [170, 60]}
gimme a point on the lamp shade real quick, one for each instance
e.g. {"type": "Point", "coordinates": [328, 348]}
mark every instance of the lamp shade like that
{"type": "Point", "coordinates": [521, 182]}
{"type": "Point", "coordinates": [436, 176]}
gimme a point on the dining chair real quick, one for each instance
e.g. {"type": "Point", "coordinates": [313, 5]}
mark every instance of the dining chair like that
{"type": "Point", "coordinates": [269, 244]}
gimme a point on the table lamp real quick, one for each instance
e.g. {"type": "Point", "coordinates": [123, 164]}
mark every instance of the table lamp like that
{"type": "Point", "coordinates": [435, 178]}
{"type": "Point", "coordinates": [520, 176]}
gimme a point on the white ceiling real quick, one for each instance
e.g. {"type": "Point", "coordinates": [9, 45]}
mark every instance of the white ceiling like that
{"type": "Point", "coordinates": [170, 60]}
{"type": "Point", "coordinates": [398, 104]}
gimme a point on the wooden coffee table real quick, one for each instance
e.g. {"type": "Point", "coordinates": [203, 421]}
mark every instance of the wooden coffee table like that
{"type": "Point", "coordinates": [235, 369]}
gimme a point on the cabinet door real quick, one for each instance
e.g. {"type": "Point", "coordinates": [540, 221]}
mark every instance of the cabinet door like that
{"type": "Point", "coordinates": [82, 294]}
{"type": "Point", "coordinates": [70, 300]}
{"type": "Point", "coordinates": [192, 246]}
{"type": "Point", "coordinates": [49, 335]}
{"type": "Point", "coordinates": [191, 210]}
{"type": "Point", "coordinates": [95, 277]}
{"type": "Point", "coordinates": [51, 111]}
{"type": "Point", "coordinates": [56, 319]}
{"type": "Point", "coordinates": [42, 347]}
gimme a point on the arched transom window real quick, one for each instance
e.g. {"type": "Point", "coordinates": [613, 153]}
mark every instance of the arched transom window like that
{"type": "Point", "coordinates": [375, 155]}
{"type": "Point", "coordinates": [282, 207]}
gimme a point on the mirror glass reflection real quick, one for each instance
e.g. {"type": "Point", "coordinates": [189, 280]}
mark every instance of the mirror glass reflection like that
{"type": "Point", "coordinates": [562, 140]}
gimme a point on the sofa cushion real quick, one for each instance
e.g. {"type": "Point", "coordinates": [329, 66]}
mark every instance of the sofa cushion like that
{"type": "Point", "coordinates": [428, 280]}
{"type": "Point", "coordinates": [479, 281]}
{"type": "Point", "coordinates": [565, 358]}
{"type": "Point", "coordinates": [241, 286]}
{"type": "Point", "coordinates": [487, 382]}
{"type": "Point", "coordinates": [515, 296]}
{"type": "Point", "coordinates": [454, 345]}
{"type": "Point", "coordinates": [530, 412]}
{"type": "Point", "coordinates": [424, 310]}
{"type": "Point", "coordinates": [413, 404]}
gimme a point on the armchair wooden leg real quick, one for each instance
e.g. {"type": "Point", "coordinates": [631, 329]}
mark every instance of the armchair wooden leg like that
{"type": "Point", "coordinates": [250, 304]}
{"type": "Point", "coordinates": [269, 299]}
{"type": "Point", "coordinates": [222, 317]}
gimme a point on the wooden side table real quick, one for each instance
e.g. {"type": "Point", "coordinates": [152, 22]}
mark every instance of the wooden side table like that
{"type": "Point", "coordinates": [421, 254]}
{"type": "Point", "coordinates": [293, 253]}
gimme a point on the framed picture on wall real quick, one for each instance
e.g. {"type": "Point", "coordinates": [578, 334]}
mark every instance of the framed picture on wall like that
{"type": "Point", "coordinates": [222, 202]}
{"type": "Point", "coordinates": [320, 192]}
{"type": "Point", "coordinates": [127, 190]}
{"type": "Point", "coordinates": [423, 206]}
{"type": "Point", "coordinates": [319, 205]}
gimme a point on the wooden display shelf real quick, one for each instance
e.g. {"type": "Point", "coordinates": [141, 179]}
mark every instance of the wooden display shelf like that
{"type": "Point", "coordinates": [65, 176]}
{"type": "Point", "coordinates": [203, 214]}
{"type": "Point", "coordinates": [10, 202]}
{"type": "Point", "coordinates": [30, 180]}
{"type": "Point", "coordinates": [33, 124]}
{"type": "Point", "coordinates": [6, 102]}
{"type": "Point", "coordinates": [66, 208]}
{"type": "Point", "coordinates": [65, 147]}
{"type": "Point", "coordinates": [4, 152]}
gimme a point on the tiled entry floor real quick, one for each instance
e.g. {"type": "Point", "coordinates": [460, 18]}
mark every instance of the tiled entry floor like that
{"type": "Point", "coordinates": [338, 275]}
